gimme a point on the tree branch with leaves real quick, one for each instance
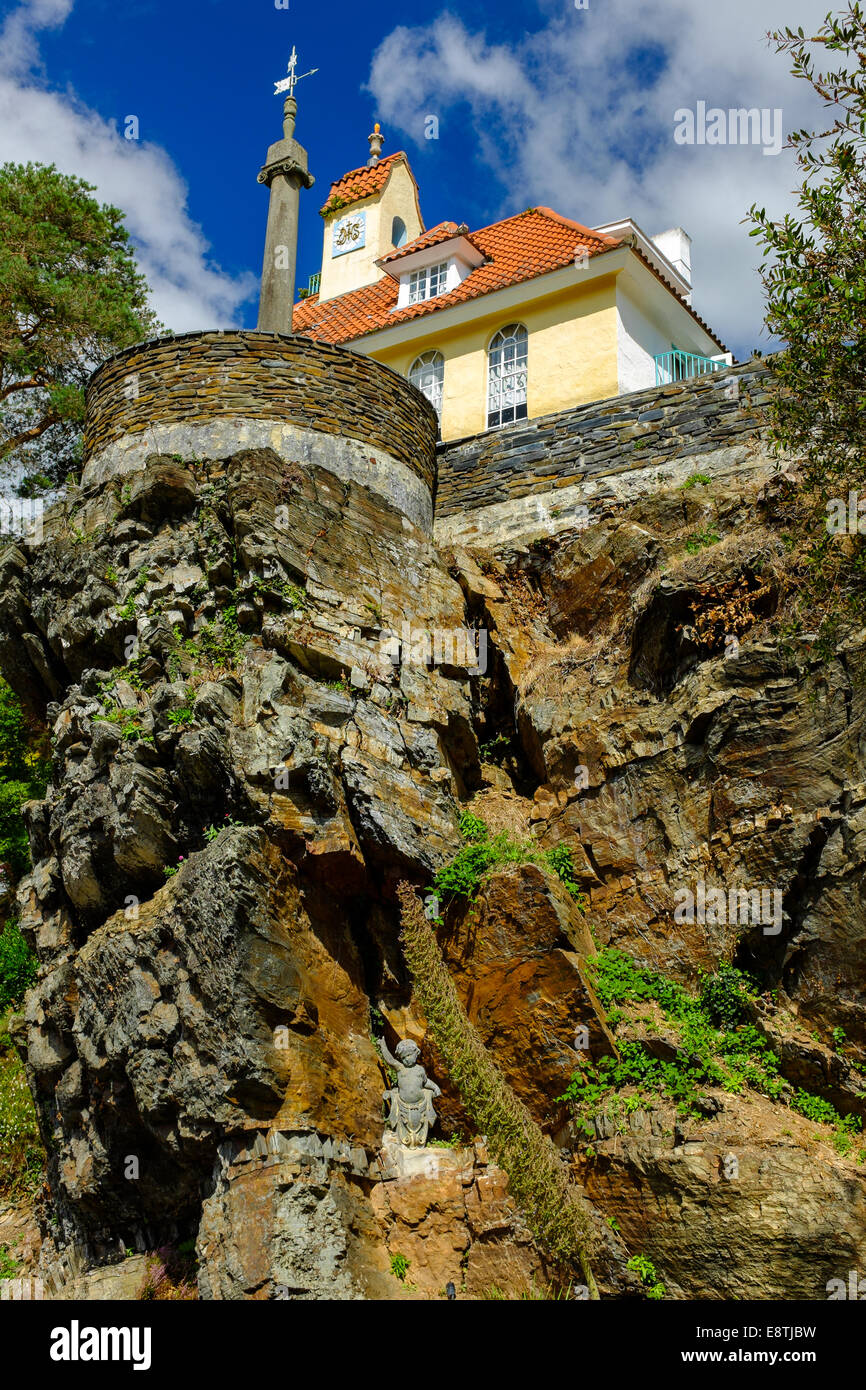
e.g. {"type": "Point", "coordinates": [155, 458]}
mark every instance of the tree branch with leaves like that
{"type": "Point", "coordinates": [70, 296]}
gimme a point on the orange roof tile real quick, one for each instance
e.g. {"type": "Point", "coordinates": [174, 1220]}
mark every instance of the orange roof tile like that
{"type": "Point", "coordinates": [443, 231]}
{"type": "Point", "coordinates": [361, 183]}
{"type": "Point", "coordinates": [517, 249]}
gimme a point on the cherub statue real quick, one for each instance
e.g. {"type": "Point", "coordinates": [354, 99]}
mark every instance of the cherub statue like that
{"type": "Point", "coordinates": [411, 1100]}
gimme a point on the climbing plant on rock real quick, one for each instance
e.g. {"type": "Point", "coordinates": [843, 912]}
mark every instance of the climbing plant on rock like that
{"type": "Point", "coordinates": [555, 1212]}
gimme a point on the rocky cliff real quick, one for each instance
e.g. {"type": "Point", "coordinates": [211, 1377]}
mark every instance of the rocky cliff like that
{"type": "Point", "coordinates": [246, 765]}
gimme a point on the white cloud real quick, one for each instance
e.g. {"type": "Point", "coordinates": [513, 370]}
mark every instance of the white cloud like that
{"type": "Point", "coordinates": [187, 291]}
{"type": "Point", "coordinates": [565, 116]}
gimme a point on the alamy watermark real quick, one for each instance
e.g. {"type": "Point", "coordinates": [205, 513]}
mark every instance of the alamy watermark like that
{"type": "Point", "coordinates": [737, 126]}
{"type": "Point", "coordinates": [846, 518]}
{"type": "Point", "coordinates": [736, 906]}
{"type": "Point", "coordinates": [21, 519]}
{"type": "Point", "coordinates": [463, 647]}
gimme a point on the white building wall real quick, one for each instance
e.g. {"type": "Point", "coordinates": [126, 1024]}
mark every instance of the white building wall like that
{"type": "Point", "coordinates": [638, 339]}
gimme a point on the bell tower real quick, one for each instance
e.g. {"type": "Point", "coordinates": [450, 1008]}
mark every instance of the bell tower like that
{"type": "Point", "coordinates": [369, 211]}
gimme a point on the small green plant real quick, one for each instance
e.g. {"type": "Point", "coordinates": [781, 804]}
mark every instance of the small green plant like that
{"type": "Point", "coordinates": [183, 715]}
{"type": "Point", "coordinates": [375, 610]}
{"type": "Point", "coordinates": [111, 575]}
{"type": "Point", "coordinates": [400, 1267]}
{"type": "Point", "coordinates": [645, 1269]}
{"type": "Point", "coordinates": [699, 540]}
{"type": "Point", "coordinates": [127, 610]}
{"type": "Point", "coordinates": [9, 1265]}
{"type": "Point", "coordinates": [482, 852]}
{"type": "Point", "coordinates": [693, 480]}
{"type": "Point", "coordinates": [840, 1039]}
{"type": "Point", "coordinates": [213, 831]}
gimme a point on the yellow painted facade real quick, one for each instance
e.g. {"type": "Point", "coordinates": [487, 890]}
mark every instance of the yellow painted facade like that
{"type": "Point", "coordinates": [399, 198]}
{"type": "Point", "coordinates": [572, 353]}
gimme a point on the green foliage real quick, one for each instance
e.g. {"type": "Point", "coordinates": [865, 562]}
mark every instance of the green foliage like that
{"type": "Point", "coordinates": [814, 277]}
{"type": "Point", "coordinates": [400, 1267]}
{"type": "Point", "coordinates": [645, 1268]}
{"type": "Point", "coordinates": [291, 594]}
{"type": "Point", "coordinates": [127, 611]}
{"type": "Point", "coordinates": [700, 540]}
{"type": "Point", "coordinates": [725, 997]}
{"type": "Point", "coordinates": [538, 1180]}
{"type": "Point", "coordinates": [24, 770]}
{"type": "Point", "coordinates": [9, 1265]}
{"type": "Point", "coordinates": [693, 479]}
{"type": "Point", "coordinates": [183, 715]}
{"type": "Point", "coordinates": [70, 295]}
{"type": "Point", "coordinates": [17, 965]}
{"type": "Point", "coordinates": [482, 852]}
{"type": "Point", "coordinates": [717, 1048]}
{"type": "Point", "coordinates": [21, 1154]}
{"type": "Point", "coordinates": [213, 831]}
{"type": "Point", "coordinates": [820, 1111]}
{"type": "Point", "coordinates": [128, 721]}
{"type": "Point", "coordinates": [220, 642]}
{"type": "Point", "coordinates": [334, 204]}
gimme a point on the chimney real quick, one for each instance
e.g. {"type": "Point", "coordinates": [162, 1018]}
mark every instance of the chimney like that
{"type": "Point", "coordinates": [676, 246]}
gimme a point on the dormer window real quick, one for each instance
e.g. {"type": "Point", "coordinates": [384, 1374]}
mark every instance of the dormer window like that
{"type": "Point", "coordinates": [427, 282]}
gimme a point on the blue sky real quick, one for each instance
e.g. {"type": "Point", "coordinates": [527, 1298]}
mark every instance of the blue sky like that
{"type": "Point", "coordinates": [536, 102]}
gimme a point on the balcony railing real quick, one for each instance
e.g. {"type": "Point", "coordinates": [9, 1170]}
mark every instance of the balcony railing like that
{"type": "Point", "coordinates": [679, 366]}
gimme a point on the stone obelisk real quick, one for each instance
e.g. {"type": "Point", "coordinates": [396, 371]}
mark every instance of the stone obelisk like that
{"type": "Point", "coordinates": [285, 173]}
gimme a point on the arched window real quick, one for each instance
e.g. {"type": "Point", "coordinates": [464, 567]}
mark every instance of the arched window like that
{"type": "Point", "coordinates": [428, 373]}
{"type": "Point", "coordinates": [506, 376]}
{"type": "Point", "coordinates": [398, 232]}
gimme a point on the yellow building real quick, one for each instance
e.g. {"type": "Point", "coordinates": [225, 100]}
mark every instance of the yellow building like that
{"type": "Point", "coordinates": [530, 315]}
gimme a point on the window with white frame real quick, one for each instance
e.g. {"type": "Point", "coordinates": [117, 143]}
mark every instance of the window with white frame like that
{"type": "Point", "coordinates": [428, 374]}
{"type": "Point", "coordinates": [427, 283]}
{"type": "Point", "coordinates": [506, 376]}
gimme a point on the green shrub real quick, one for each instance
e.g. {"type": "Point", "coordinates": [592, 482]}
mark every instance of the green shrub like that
{"type": "Point", "coordinates": [400, 1267]}
{"type": "Point", "coordinates": [645, 1268]}
{"type": "Point", "coordinates": [725, 996]}
{"type": "Point", "coordinates": [716, 1048]}
{"type": "Point", "coordinates": [21, 1154]}
{"type": "Point", "coordinates": [693, 479]}
{"type": "Point", "coordinates": [17, 965]}
{"type": "Point", "coordinates": [482, 852]}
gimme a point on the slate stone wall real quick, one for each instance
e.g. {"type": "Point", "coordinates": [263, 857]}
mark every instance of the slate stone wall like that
{"type": "Point", "coordinates": [637, 431]}
{"type": "Point", "coordinates": [202, 376]}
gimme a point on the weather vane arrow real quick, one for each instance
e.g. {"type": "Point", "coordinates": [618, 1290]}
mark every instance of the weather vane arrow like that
{"type": "Point", "coordinates": [289, 83]}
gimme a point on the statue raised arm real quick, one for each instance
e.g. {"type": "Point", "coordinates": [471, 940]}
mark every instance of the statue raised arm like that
{"type": "Point", "coordinates": [410, 1102]}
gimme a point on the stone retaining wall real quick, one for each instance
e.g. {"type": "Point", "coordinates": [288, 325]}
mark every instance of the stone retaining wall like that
{"type": "Point", "coordinates": [643, 430]}
{"type": "Point", "coordinates": [199, 379]}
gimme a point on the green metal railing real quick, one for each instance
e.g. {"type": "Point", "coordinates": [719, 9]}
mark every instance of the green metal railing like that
{"type": "Point", "coordinates": [678, 366]}
{"type": "Point", "coordinates": [312, 286]}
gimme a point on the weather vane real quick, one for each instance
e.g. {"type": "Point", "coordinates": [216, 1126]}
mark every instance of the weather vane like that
{"type": "Point", "coordinates": [289, 83]}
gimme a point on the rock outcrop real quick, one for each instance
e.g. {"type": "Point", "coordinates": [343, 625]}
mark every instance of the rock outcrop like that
{"type": "Point", "coordinates": [247, 759]}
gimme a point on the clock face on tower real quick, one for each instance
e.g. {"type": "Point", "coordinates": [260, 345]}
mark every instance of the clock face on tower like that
{"type": "Point", "coordinates": [349, 233]}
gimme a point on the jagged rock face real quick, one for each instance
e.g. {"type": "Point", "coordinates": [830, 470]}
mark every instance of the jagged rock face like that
{"type": "Point", "coordinates": [208, 642]}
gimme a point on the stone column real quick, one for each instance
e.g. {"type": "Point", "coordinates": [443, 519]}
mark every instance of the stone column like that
{"type": "Point", "coordinates": [285, 173]}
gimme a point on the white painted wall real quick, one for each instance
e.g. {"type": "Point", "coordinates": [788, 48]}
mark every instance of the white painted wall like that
{"type": "Point", "coordinates": [651, 320]}
{"type": "Point", "coordinates": [638, 338]}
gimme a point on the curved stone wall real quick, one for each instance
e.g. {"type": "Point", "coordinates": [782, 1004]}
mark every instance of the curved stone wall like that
{"type": "Point", "coordinates": [207, 395]}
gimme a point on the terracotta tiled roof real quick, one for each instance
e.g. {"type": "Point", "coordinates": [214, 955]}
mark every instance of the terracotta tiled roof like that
{"type": "Point", "coordinates": [361, 183]}
{"type": "Point", "coordinates": [520, 248]}
{"type": "Point", "coordinates": [443, 231]}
